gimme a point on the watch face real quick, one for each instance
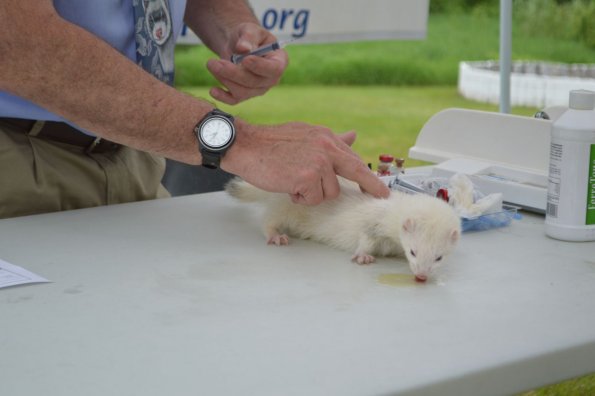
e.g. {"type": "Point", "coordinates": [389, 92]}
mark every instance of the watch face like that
{"type": "Point", "coordinates": [216, 132]}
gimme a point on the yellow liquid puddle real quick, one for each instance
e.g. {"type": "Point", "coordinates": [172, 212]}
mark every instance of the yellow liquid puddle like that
{"type": "Point", "coordinates": [397, 280]}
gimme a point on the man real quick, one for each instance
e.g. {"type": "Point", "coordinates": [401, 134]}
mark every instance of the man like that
{"type": "Point", "coordinates": [74, 64]}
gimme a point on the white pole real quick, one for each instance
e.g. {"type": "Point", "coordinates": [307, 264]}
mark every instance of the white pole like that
{"type": "Point", "coordinates": [505, 54]}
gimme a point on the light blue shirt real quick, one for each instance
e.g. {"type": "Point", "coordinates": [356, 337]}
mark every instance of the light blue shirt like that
{"type": "Point", "coordinates": [110, 20]}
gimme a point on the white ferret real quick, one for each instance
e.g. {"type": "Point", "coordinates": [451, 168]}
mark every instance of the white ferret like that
{"type": "Point", "coordinates": [423, 228]}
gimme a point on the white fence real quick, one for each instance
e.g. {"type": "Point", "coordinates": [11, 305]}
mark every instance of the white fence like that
{"type": "Point", "coordinates": [535, 84]}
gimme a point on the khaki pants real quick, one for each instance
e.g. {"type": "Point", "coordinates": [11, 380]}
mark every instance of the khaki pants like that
{"type": "Point", "coordinates": [38, 176]}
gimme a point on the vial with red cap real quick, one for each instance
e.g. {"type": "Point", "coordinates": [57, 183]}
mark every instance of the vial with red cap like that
{"type": "Point", "coordinates": [385, 162]}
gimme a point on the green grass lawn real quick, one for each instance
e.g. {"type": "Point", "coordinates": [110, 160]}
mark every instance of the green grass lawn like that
{"type": "Point", "coordinates": [433, 61]}
{"type": "Point", "coordinates": [387, 119]}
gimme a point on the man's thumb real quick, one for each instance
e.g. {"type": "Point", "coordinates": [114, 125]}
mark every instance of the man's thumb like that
{"type": "Point", "coordinates": [348, 137]}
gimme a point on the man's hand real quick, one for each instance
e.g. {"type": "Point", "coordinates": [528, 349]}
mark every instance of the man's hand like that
{"type": "Point", "coordinates": [300, 159]}
{"type": "Point", "coordinates": [256, 74]}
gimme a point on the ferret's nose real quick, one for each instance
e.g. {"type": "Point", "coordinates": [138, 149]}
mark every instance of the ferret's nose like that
{"type": "Point", "coordinates": [421, 278]}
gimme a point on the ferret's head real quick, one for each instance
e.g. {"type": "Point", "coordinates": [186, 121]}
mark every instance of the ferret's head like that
{"type": "Point", "coordinates": [428, 235]}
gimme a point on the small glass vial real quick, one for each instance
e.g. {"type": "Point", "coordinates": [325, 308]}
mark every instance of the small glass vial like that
{"type": "Point", "coordinates": [384, 164]}
{"type": "Point", "coordinates": [398, 168]}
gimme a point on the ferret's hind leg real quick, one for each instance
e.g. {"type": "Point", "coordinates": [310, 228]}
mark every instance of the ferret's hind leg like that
{"type": "Point", "coordinates": [362, 255]}
{"type": "Point", "coordinates": [272, 233]}
{"type": "Point", "coordinates": [278, 239]}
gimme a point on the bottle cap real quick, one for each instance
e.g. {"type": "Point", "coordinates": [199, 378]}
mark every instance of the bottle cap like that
{"type": "Point", "coordinates": [386, 158]}
{"type": "Point", "coordinates": [399, 162]}
{"type": "Point", "coordinates": [582, 99]}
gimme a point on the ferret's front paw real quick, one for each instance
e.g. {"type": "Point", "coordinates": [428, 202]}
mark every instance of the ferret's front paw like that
{"type": "Point", "coordinates": [278, 239]}
{"type": "Point", "coordinates": [363, 258]}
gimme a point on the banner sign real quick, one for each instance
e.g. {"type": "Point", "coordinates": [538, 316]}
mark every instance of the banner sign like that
{"type": "Point", "coordinates": [323, 21]}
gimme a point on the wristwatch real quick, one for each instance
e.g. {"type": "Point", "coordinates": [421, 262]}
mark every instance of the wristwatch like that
{"type": "Point", "coordinates": [215, 133]}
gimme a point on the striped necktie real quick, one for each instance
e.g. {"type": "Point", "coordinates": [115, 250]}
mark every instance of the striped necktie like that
{"type": "Point", "coordinates": [154, 38]}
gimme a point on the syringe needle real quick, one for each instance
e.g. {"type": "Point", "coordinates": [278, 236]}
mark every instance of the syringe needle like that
{"type": "Point", "coordinates": [237, 58]}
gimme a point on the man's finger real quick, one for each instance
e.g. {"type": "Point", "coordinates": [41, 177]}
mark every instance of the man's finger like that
{"type": "Point", "coordinates": [357, 171]}
{"type": "Point", "coordinates": [225, 72]}
{"type": "Point", "coordinates": [330, 185]}
{"type": "Point", "coordinates": [251, 37]}
{"type": "Point", "coordinates": [223, 96]}
{"type": "Point", "coordinates": [310, 194]}
{"type": "Point", "coordinates": [269, 67]}
{"type": "Point", "coordinates": [346, 140]}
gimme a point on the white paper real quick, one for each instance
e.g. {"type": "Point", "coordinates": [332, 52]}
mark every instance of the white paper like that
{"type": "Point", "coordinates": [12, 275]}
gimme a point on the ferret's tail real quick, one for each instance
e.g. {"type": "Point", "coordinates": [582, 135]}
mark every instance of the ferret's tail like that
{"type": "Point", "coordinates": [244, 191]}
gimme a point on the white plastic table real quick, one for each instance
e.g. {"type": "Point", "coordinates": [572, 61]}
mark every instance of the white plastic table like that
{"type": "Point", "coordinates": [183, 297]}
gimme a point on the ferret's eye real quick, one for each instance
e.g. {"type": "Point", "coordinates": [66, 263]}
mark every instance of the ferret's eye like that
{"type": "Point", "coordinates": [438, 258]}
{"type": "Point", "coordinates": [412, 252]}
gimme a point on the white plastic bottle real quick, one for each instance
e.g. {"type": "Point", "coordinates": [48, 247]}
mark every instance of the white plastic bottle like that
{"type": "Point", "coordinates": [570, 214]}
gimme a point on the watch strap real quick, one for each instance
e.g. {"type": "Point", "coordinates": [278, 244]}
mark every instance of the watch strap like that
{"type": "Point", "coordinates": [210, 159]}
{"type": "Point", "coordinates": [220, 113]}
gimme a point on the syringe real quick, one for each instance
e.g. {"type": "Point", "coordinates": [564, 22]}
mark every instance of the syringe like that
{"type": "Point", "coordinates": [237, 58]}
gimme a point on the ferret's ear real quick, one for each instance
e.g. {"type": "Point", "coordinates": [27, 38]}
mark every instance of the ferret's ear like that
{"type": "Point", "coordinates": [409, 225]}
{"type": "Point", "coordinates": [454, 236]}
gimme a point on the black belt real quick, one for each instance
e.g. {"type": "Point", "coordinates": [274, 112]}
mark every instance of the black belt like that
{"type": "Point", "coordinates": [59, 132]}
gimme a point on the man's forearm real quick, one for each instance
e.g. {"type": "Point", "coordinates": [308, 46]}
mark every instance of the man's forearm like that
{"type": "Point", "coordinates": [70, 72]}
{"type": "Point", "coordinates": [213, 26]}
